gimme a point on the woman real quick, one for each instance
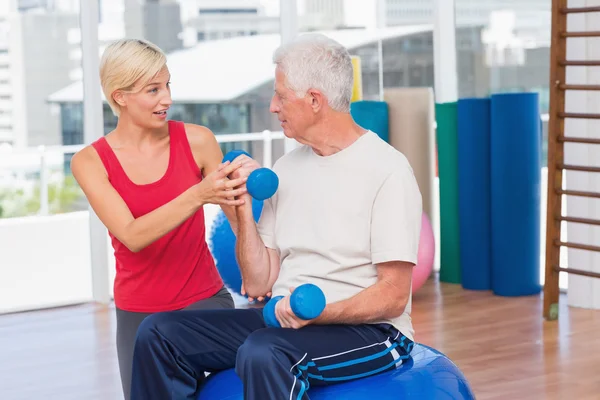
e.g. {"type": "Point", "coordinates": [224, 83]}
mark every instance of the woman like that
{"type": "Point", "coordinates": [147, 181]}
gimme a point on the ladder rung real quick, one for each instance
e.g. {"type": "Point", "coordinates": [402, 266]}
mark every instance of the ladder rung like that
{"type": "Point", "coordinates": [579, 115]}
{"type": "Point", "coordinates": [579, 220]}
{"type": "Point", "coordinates": [579, 63]}
{"type": "Point", "coordinates": [564, 86]}
{"type": "Point", "coordinates": [577, 246]}
{"type": "Point", "coordinates": [577, 272]}
{"type": "Point", "coordinates": [578, 168]}
{"type": "Point", "coordinates": [567, 139]}
{"type": "Point", "coordinates": [575, 10]}
{"type": "Point", "coordinates": [580, 34]}
{"type": "Point", "coordinates": [578, 193]}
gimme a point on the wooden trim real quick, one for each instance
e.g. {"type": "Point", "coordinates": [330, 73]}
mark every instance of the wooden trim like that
{"type": "Point", "coordinates": [576, 220]}
{"type": "Point", "coordinates": [578, 272]}
{"type": "Point", "coordinates": [578, 115]}
{"type": "Point", "coordinates": [564, 86]}
{"type": "Point", "coordinates": [576, 10]}
{"type": "Point", "coordinates": [569, 139]}
{"type": "Point", "coordinates": [578, 246]}
{"type": "Point", "coordinates": [581, 168]}
{"type": "Point", "coordinates": [558, 51]}
{"type": "Point", "coordinates": [579, 63]}
{"type": "Point", "coordinates": [577, 193]}
{"type": "Point", "coordinates": [580, 34]}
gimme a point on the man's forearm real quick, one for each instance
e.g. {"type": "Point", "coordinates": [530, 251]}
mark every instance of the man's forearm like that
{"type": "Point", "coordinates": [231, 215]}
{"type": "Point", "coordinates": [370, 305]}
{"type": "Point", "coordinates": [251, 253]}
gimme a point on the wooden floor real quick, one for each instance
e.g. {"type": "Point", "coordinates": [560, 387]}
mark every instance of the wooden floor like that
{"type": "Point", "coordinates": [503, 346]}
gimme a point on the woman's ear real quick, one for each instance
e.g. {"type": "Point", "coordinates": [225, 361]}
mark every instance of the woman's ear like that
{"type": "Point", "coordinates": [119, 97]}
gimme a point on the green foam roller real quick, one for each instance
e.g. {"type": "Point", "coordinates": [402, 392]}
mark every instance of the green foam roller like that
{"type": "Point", "coordinates": [447, 143]}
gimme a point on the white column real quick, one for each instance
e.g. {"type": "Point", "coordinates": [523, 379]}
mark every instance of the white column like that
{"type": "Point", "coordinates": [92, 130]}
{"type": "Point", "coordinates": [44, 198]}
{"type": "Point", "coordinates": [445, 83]}
{"type": "Point", "coordinates": [583, 291]}
{"type": "Point", "coordinates": [444, 51]}
{"type": "Point", "coordinates": [380, 13]}
{"type": "Point", "coordinates": [288, 24]}
{"type": "Point", "coordinates": [380, 23]}
{"type": "Point", "coordinates": [288, 17]}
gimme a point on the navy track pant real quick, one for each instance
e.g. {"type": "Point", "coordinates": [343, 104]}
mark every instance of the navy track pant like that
{"type": "Point", "coordinates": [173, 350]}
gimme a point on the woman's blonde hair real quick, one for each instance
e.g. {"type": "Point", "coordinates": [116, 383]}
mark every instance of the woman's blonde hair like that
{"type": "Point", "coordinates": [124, 63]}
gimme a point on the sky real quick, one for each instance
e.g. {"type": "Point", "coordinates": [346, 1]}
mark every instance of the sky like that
{"type": "Point", "coordinates": [357, 12]}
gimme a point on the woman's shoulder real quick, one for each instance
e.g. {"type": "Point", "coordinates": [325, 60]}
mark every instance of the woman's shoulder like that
{"type": "Point", "coordinates": [87, 161]}
{"type": "Point", "coordinates": [198, 135]}
{"type": "Point", "coordinates": [86, 155]}
{"type": "Point", "coordinates": [203, 145]}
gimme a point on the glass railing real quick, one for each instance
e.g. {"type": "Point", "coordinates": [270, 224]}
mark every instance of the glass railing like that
{"type": "Point", "coordinates": [38, 181]}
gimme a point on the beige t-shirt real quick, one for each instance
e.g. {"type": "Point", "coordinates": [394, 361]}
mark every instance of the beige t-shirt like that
{"type": "Point", "coordinates": [334, 218]}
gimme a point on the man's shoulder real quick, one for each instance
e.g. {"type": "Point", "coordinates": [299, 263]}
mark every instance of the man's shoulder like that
{"type": "Point", "coordinates": [290, 158]}
{"type": "Point", "coordinates": [385, 157]}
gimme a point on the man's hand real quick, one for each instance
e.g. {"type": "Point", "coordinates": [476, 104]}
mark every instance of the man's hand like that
{"type": "Point", "coordinates": [248, 165]}
{"type": "Point", "coordinates": [251, 299]}
{"type": "Point", "coordinates": [285, 315]}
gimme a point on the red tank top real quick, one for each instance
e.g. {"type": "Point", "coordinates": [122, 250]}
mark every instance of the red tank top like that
{"type": "Point", "coordinates": [177, 269]}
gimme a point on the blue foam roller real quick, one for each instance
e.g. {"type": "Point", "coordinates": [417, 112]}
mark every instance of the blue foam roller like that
{"type": "Point", "coordinates": [426, 375]}
{"type": "Point", "coordinates": [307, 301]}
{"type": "Point", "coordinates": [515, 191]}
{"type": "Point", "coordinates": [372, 115]}
{"type": "Point", "coordinates": [474, 196]}
{"type": "Point", "coordinates": [222, 247]}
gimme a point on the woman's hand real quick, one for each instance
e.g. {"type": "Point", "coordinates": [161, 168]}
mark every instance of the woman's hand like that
{"type": "Point", "coordinates": [217, 188]}
{"type": "Point", "coordinates": [251, 299]}
{"type": "Point", "coordinates": [248, 165]}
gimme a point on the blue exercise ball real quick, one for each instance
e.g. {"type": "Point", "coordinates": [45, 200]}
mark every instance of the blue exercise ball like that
{"type": "Point", "coordinates": [222, 246]}
{"type": "Point", "coordinates": [426, 375]}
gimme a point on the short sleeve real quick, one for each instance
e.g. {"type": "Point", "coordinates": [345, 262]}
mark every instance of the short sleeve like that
{"type": "Point", "coordinates": [266, 224]}
{"type": "Point", "coordinates": [396, 218]}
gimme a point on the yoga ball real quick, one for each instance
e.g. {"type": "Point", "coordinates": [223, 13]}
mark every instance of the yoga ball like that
{"type": "Point", "coordinates": [426, 255]}
{"type": "Point", "coordinates": [426, 375]}
{"type": "Point", "coordinates": [222, 246]}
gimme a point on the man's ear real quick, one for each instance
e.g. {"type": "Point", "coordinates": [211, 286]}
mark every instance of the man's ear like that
{"type": "Point", "coordinates": [317, 99]}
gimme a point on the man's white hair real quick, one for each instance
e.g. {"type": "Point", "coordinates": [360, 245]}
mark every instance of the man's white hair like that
{"type": "Point", "coordinates": [314, 61]}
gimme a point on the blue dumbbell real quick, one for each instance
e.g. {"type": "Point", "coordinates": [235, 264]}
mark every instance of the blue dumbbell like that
{"type": "Point", "coordinates": [262, 182]}
{"type": "Point", "coordinates": [307, 302]}
{"type": "Point", "coordinates": [233, 154]}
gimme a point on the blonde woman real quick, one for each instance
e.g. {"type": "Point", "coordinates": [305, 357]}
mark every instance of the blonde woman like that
{"type": "Point", "coordinates": [147, 181]}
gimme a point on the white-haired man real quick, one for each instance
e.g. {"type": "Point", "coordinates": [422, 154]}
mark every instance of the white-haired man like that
{"type": "Point", "coordinates": [346, 217]}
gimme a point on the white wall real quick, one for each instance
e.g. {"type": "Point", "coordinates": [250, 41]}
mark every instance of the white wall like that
{"type": "Point", "coordinates": [585, 291]}
{"type": "Point", "coordinates": [45, 261]}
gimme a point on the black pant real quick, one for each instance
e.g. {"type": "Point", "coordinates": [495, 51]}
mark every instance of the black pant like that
{"type": "Point", "coordinates": [174, 350]}
{"type": "Point", "coordinates": [128, 323]}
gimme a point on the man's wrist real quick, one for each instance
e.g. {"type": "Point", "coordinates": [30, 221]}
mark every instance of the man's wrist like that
{"type": "Point", "coordinates": [244, 212]}
{"type": "Point", "coordinates": [328, 314]}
